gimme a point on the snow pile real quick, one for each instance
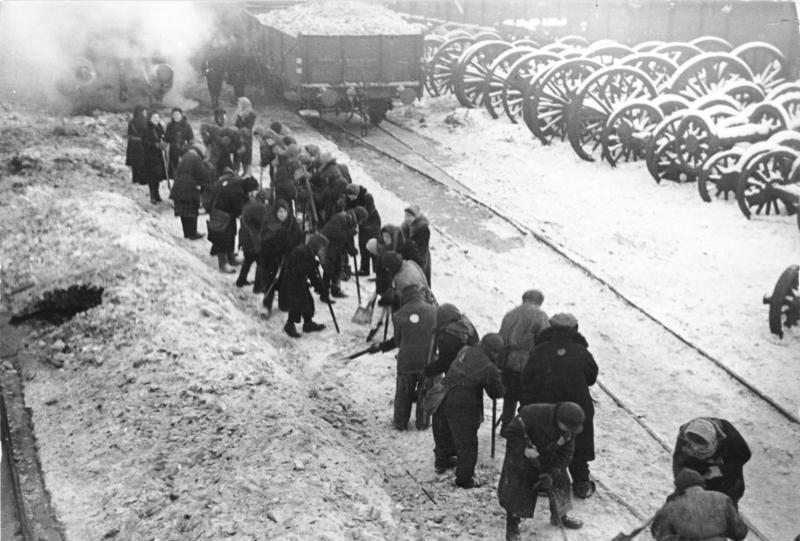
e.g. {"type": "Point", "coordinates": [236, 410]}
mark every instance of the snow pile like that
{"type": "Point", "coordinates": [338, 19]}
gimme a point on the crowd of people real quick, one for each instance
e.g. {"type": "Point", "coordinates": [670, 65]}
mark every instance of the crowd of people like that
{"type": "Point", "coordinates": [299, 229]}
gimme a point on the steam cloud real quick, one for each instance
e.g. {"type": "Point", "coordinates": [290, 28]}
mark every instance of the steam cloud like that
{"type": "Point", "coordinates": [44, 42]}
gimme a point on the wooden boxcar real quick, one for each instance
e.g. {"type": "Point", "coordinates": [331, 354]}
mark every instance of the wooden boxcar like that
{"type": "Point", "coordinates": [341, 73]}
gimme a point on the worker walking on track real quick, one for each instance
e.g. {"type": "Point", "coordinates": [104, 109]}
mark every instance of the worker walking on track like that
{"type": "Point", "coordinates": [692, 512]}
{"type": "Point", "coordinates": [539, 446]}
{"type": "Point", "coordinates": [519, 329]}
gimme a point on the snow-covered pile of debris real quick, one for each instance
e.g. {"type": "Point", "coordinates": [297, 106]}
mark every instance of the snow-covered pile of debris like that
{"type": "Point", "coordinates": [338, 18]}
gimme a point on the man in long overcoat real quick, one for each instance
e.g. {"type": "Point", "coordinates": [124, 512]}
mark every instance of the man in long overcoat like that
{"type": "Point", "coordinates": [539, 446]}
{"type": "Point", "coordinates": [192, 178]}
{"type": "Point", "coordinates": [561, 368]}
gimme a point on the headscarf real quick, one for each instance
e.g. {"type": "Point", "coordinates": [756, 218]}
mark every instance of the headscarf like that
{"type": "Point", "coordinates": [702, 428]}
{"type": "Point", "coordinates": [244, 106]}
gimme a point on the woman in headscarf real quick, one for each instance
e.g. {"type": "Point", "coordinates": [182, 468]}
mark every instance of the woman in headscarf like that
{"type": "Point", "coordinates": [154, 156]}
{"type": "Point", "coordinates": [278, 237]}
{"type": "Point", "coordinates": [134, 154]}
{"type": "Point", "coordinates": [226, 205]}
{"type": "Point", "coordinates": [245, 120]}
{"type": "Point", "coordinates": [193, 176]}
{"type": "Point", "coordinates": [179, 135]}
{"type": "Point", "coordinates": [713, 448]}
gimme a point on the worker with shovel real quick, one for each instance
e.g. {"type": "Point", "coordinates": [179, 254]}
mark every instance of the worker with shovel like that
{"type": "Point", "coordinates": [539, 446]}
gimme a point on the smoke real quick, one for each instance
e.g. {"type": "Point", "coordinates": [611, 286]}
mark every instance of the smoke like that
{"type": "Point", "coordinates": [63, 54]}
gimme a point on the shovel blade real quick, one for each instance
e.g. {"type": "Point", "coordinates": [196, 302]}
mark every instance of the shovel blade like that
{"type": "Point", "coordinates": [363, 316]}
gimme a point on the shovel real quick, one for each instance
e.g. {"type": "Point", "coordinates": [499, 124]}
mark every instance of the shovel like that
{"type": "Point", "coordinates": [629, 536]}
{"type": "Point", "coordinates": [363, 315]}
{"type": "Point", "coordinates": [374, 330]}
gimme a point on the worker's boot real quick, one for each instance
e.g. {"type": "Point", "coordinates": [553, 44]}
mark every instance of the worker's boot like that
{"type": "Point", "coordinates": [566, 521]}
{"type": "Point", "coordinates": [222, 259]}
{"type": "Point", "coordinates": [291, 330]}
{"type": "Point", "coordinates": [512, 528]}
{"type": "Point", "coordinates": [312, 326]}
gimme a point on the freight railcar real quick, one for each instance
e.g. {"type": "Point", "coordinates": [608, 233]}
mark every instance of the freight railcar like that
{"type": "Point", "coordinates": [362, 74]}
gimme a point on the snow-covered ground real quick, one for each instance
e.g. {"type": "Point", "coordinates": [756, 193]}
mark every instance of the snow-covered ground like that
{"type": "Point", "coordinates": [180, 413]}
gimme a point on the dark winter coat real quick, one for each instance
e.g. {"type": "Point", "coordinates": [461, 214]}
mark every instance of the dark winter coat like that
{"type": "Point", "coordinates": [450, 338]}
{"type": "Point", "coordinates": [300, 270]}
{"type": "Point", "coordinates": [285, 187]}
{"type": "Point", "coordinates": [360, 200]}
{"type": "Point", "coordinates": [536, 424]}
{"type": "Point", "coordinates": [731, 455]}
{"type": "Point", "coordinates": [519, 329]}
{"type": "Point", "coordinates": [230, 197]}
{"type": "Point", "coordinates": [278, 238]}
{"type": "Point", "coordinates": [698, 514]}
{"type": "Point", "coordinates": [419, 233]}
{"type": "Point", "coordinates": [471, 373]}
{"type": "Point", "coordinates": [178, 135]}
{"type": "Point", "coordinates": [413, 328]}
{"type": "Point", "coordinates": [410, 274]}
{"type": "Point", "coordinates": [340, 231]}
{"type": "Point", "coordinates": [561, 369]}
{"type": "Point", "coordinates": [134, 153]}
{"type": "Point", "coordinates": [191, 178]}
{"type": "Point", "coordinates": [372, 225]}
{"type": "Point", "coordinates": [152, 137]}
{"type": "Point", "coordinates": [254, 215]}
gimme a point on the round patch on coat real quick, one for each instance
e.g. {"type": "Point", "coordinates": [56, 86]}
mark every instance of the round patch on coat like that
{"type": "Point", "coordinates": [413, 318]}
{"type": "Point", "coordinates": [561, 352]}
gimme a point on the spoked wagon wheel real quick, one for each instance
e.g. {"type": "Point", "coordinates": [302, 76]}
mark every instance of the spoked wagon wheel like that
{"type": "Point", "coordinates": [573, 40]}
{"type": "Point", "coordinates": [647, 46]}
{"type": "Point", "coordinates": [544, 106]}
{"type": "Point", "coordinates": [518, 79]}
{"type": "Point", "coordinates": [766, 61]}
{"type": "Point", "coordinates": [669, 103]}
{"type": "Point", "coordinates": [628, 129]}
{"type": "Point", "coordinates": [784, 88]}
{"type": "Point", "coordinates": [432, 44]}
{"type": "Point", "coordinates": [471, 69]}
{"type": "Point", "coordinates": [661, 156]}
{"type": "Point", "coordinates": [706, 73]}
{"type": "Point", "coordinates": [678, 52]}
{"type": "Point", "coordinates": [712, 44]}
{"type": "Point", "coordinates": [596, 99]}
{"type": "Point", "coordinates": [755, 191]}
{"type": "Point", "coordinates": [784, 303]}
{"type": "Point", "coordinates": [495, 80]}
{"type": "Point", "coordinates": [657, 67]}
{"type": "Point", "coordinates": [744, 92]}
{"type": "Point", "coordinates": [607, 54]}
{"type": "Point", "coordinates": [442, 65]}
{"type": "Point", "coordinates": [526, 43]}
{"type": "Point", "coordinates": [719, 171]}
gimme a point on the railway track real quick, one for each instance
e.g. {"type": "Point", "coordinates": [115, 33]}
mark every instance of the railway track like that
{"type": "Point", "coordinates": [394, 142]}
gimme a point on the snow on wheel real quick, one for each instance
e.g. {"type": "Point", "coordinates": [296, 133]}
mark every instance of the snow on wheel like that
{"type": "Point", "coordinates": [660, 156]}
{"type": "Point", "coordinates": [712, 44]}
{"type": "Point", "coordinates": [706, 73]}
{"type": "Point", "coordinates": [628, 130]}
{"type": "Point", "coordinates": [669, 103]}
{"type": "Point", "coordinates": [442, 65]}
{"type": "Point", "coordinates": [495, 79]}
{"type": "Point", "coordinates": [526, 43]}
{"type": "Point", "coordinates": [744, 92]}
{"type": "Point", "coordinates": [678, 52]}
{"type": "Point", "coordinates": [721, 172]}
{"type": "Point", "coordinates": [595, 101]}
{"type": "Point", "coordinates": [518, 79]}
{"type": "Point", "coordinates": [647, 46]}
{"type": "Point", "coordinates": [607, 54]}
{"type": "Point", "coordinates": [471, 69]}
{"type": "Point", "coordinates": [783, 88]}
{"type": "Point", "coordinates": [658, 67]}
{"type": "Point", "coordinates": [544, 106]}
{"type": "Point", "coordinates": [431, 45]}
{"type": "Point", "coordinates": [573, 40]}
{"type": "Point", "coordinates": [755, 188]}
{"type": "Point", "coordinates": [766, 61]}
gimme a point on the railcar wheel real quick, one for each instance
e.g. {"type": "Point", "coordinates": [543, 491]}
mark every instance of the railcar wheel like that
{"type": "Point", "coordinates": [669, 103]}
{"type": "Point", "coordinates": [744, 92]}
{"type": "Point", "coordinates": [628, 129]}
{"type": "Point", "coordinates": [658, 67]}
{"type": "Point", "coordinates": [544, 106]}
{"type": "Point", "coordinates": [495, 80]}
{"type": "Point", "coordinates": [573, 40]}
{"type": "Point", "coordinates": [720, 171]}
{"type": "Point", "coordinates": [790, 103]}
{"type": "Point", "coordinates": [471, 69]}
{"type": "Point", "coordinates": [766, 61]}
{"type": "Point", "coordinates": [593, 104]}
{"type": "Point", "coordinates": [789, 139]}
{"type": "Point", "coordinates": [678, 52]}
{"type": "Point", "coordinates": [526, 43]}
{"type": "Point", "coordinates": [706, 73]}
{"type": "Point", "coordinates": [661, 156]}
{"type": "Point", "coordinates": [712, 44]}
{"type": "Point", "coordinates": [431, 45]}
{"type": "Point", "coordinates": [607, 54]}
{"type": "Point", "coordinates": [443, 63]}
{"type": "Point", "coordinates": [518, 79]}
{"type": "Point", "coordinates": [784, 303]}
{"type": "Point", "coordinates": [754, 188]}
{"type": "Point", "coordinates": [781, 89]}
{"type": "Point", "coordinates": [647, 46]}
{"type": "Point", "coordinates": [695, 141]}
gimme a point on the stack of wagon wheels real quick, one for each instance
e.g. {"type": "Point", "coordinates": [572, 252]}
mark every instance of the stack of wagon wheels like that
{"type": "Point", "coordinates": [702, 111]}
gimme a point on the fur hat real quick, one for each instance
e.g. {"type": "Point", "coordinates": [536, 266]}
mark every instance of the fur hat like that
{"type": "Point", "coordinates": [316, 242]}
{"type": "Point", "coordinates": [352, 189]}
{"type": "Point", "coordinates": [493, 344]}
{"type": "Point", "coordinates": [571, 416]}
{"type": "Point", "coordinates": [447, 313]}
{"type": "Point", "coordinates": [563, 319]}
{"type": "Point", "coordinates": [688, 478]}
